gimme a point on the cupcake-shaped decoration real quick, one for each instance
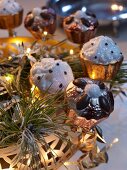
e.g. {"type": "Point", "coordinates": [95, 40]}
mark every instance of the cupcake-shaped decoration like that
{"type": "Point", "coordinates": [91, 100]}
{"type": "Point", "coordinates": [39, 20]}
{"type": "Point", "coordinates": [80, 27]}
{"type": "Point", "coordinates": [51, 75]}
{"type": "Point", "coordinates": [11, 14]}
{"type": "Point", "coordinates": [101, 58]}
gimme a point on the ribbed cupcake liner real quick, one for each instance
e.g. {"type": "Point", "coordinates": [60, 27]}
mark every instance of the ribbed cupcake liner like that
{"type": "Point", "coordinates": [39, 34]}
{"type": "Point", "coordinates": [79, 36]}
{"type": "Point", "coordinates": [100, 71]}
{"type": "Point", "coordinates": [10, 21]}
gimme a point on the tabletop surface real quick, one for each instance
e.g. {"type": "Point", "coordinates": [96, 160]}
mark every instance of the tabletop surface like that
{"type": "Point", "coordinates": [116, 125]}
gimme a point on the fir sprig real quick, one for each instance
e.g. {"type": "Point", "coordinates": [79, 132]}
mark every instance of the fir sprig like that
{"type": "Point", "coordinates": [30, 121]}
{"type": "Point", "coordinates": [120, 79]}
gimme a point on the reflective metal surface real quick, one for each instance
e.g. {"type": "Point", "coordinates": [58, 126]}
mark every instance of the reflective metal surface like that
{"type": "Point", "coordinates": [106, 11]}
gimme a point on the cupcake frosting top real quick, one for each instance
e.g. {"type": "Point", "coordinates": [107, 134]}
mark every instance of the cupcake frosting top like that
{"type": "Point", "coordinates": [39, 12]}
{"type": "Point", "coordinates": [101, 50]}
{"type": "Point", "coordinates": [36, 11]}
{"type": "Point", "coordinates": [52, 75]}
{"type": "Point", "coordinates": [9, 7]}
{"type": "Point", "coordinates": [40, 17]}
{"type": "Point", "coordinates": [90, 98]}
{"type": "Point", "coordinates": [82, 20]}
{"type": "Point", "coordinates": [80, 14]}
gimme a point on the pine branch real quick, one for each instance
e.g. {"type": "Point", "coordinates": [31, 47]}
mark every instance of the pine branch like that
{"type": "Point", "coordinates": [34, 120]}
{"type": "Point", "coordinates": [120, 79]}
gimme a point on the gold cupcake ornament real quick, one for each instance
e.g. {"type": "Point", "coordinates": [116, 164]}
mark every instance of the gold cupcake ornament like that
{"type": "Point", "coordinates": [81, 26]}
{"type": "Point", "coordinates": [101, 58]}
{"type": "Point", "coordinates": [40, 20]}
{"type": "Point", "coordinates": [90, 101]}
{"type": "Point", "coordinates": [11, 15]}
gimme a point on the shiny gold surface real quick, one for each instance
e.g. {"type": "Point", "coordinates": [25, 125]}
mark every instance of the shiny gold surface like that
{"type": "Point", "coordinates": [18, 40]}
{"type": "Point", "coordinates": [11, 21]}
{"type": "Point", "coordinates": [100, 71]}
{"type": "Point", "coordinates": [8, 45]}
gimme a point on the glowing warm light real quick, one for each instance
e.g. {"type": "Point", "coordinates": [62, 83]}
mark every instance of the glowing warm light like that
{"type": "Point", "coordinates": [93, 75]}
{"type": "Point", "coordinates": [17, 42]}
{"type": "Point", "coordinates": [115, 140]}
{"type": "Point", "coordinates": [9, 78]}
{"type": "Point", "coordinates": [71, 51]}
{"type": "Point", "coordinates": [45, 33]}
{"type": "Point", "coordinates": [32, 88]}
{"type": "Point", "coordinates": [10, 58]}
{"type": "Point", "coordinates": [35, 92]}
{"type": "Point", "coordinates": [28, 162]}
{"type": "Point", "coordinates": [116, 7]}
{"type": "Point", "coordinates": [121, 8]}
{"type": "Point", "coordinates": [28, 50]}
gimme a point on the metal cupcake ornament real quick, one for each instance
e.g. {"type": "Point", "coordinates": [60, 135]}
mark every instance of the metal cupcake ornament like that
{"type": "Point", "coordinates": [11, 15]}
{"type": "Point", "coordinates": [51, 75]}
{"type": "Point", "coordinates": [80, 27]}
{"type": "Point", "coordinates": [40, 19]}
{"type": "Point", "coordinates": [90, 99]}
{"type": "Point", "coordinates": [101, 58]}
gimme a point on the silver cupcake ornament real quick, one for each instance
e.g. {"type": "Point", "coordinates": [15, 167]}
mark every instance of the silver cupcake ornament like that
{"type": "Point", "coordinates": [90, 99]}
{"type": "Point", "coordinates": [51, 75]}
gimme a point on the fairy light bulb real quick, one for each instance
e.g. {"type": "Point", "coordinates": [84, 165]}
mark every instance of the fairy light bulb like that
{"type": "Point", "coordinates": [28, 50]}
{"type": "Point", "coordinates": [115, 140]}
{"type": "Point", "coordinates": [45, 33]}
{"type": "Point", "coordinates": [71, 51]}
{"type": "Point", "coordinates": [116, 7]}
{"type": "Point", "coordinates": [28, 162]}
{"type": "Point", "coordinates": [120, 7]}
{"type": "Point", "coordinates": [93, 75]}
{"type": "Point", "coordinates": [9, 78]}
{"type": "Point", "coordinates": [10, 58]}
{"type": "Point", "coordinates": [32, 88]}
{"type": "Point", "coordinates": [17, 42]}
